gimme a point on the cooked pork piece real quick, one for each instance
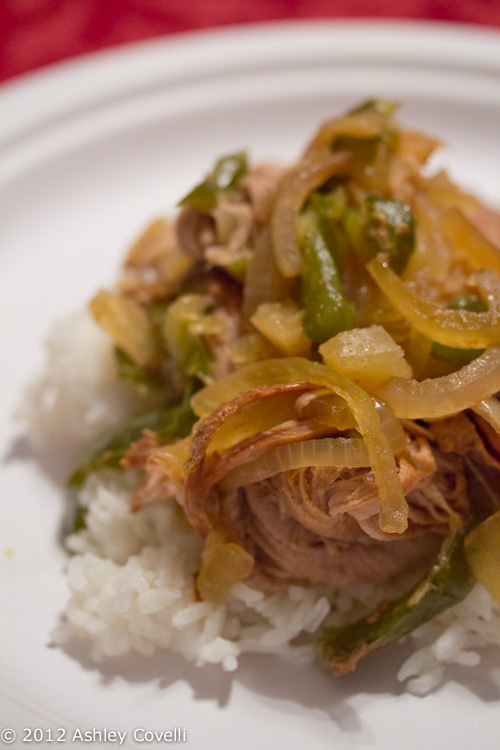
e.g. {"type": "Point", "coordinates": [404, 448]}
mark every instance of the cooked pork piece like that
{"type": "Point", "coordinates": [318, 524]}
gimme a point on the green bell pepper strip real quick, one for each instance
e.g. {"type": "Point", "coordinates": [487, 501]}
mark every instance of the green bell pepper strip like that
{"type": "Point", "coordinates": [461, 357]}
{"type": "Point", "coordinates": [364, 150]}
{"type": "Point", "coordinates": [170, 423]}
{"type": "Point", "coordinates": [225, 176]}
{"type": "Point", "coordinates": [354, 224]}
{"type": "Point", "coordinates": [467, 301]}
{"type": "Point", "coordinates": [447, 583]}
{"type": "Point", "coordinates": [379, 106]}
{"type": "Point", "coordinates": [140, 377]}
{"type": "Point", "coordinates": [381, 225]}
{"type": "Point", "coordinates": [196, 358]}
{"type": "Point", "coordinates": [330, 205]}
{"type": "Point", "coordinates": [229, 170]}
{"type": "Point", "coordinates": [390, 229]}
{"type": "Point", "coordinates": [326, 309]}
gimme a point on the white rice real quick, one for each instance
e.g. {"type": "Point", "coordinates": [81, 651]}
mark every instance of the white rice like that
{"type": "Point", "coordinates": [131, 575]}
{"type": "Point", "coordinates": [131, 584]}
{"type": "Point", "coordinates": [78, 396]}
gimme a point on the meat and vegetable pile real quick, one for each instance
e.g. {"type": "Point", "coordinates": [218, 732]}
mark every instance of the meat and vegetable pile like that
{"type": "Point", "coordinates": [323, 344]}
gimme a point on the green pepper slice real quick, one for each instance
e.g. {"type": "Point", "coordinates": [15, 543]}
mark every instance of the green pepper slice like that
{"type": "Point", "coordinates": [390, 229]}
{"type": "Point", "coordinates": [380, 106]}
{"type": "Point", "coordinates": [461, 357]}
{"type": "Point", "coordinates": [447, 583]}
{"type": "Point", "coordinates": [140, 377]}
{"type": "Point", "coordinates": [196, 358]}
{"type": "Point", "coordinates": [467, 301]}
{"type": "Point", "coordinates": [225, 176]}
{"type": "Point", "coordinates": [170, 423]}
{"type": "Point", "coordinates": [229, 170]}
{"type": "Point", "coordinates": [326, 309]}
{"type": "Point", "coordinates": [329, 205]}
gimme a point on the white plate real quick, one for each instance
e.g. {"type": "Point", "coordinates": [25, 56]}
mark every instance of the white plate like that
{"type": "Point", "coordinates": [92, 150]}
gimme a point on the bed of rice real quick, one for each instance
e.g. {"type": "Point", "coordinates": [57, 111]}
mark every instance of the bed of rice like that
{"type": "Point", "coordinates": [131, 575]}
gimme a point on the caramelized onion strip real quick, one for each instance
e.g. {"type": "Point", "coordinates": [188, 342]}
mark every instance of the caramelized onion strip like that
{"type": "Point", "coordinates": [393, 506]}
{"type": "Point", "coordinates": [436, 398]}
{"type": "Point", "coordinates": [296, 185]}
{"type": "Point", "coordinates": [456, 328]}
{"type": "Point", "coordinates": [350, 452]}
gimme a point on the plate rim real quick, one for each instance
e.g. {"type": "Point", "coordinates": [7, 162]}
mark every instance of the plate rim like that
{"type": "Point", "coordinates": [118, 54]}
{"type": "Point", "coordinates": [38, 99]}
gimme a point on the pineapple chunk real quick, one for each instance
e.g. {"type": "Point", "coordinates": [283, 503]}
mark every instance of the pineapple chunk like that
{"type": "Point", "coordinates": [251, 347]}
{"type": "Point", "coordinates": [281, 324]}
{"type": "Point", "coordinates": [367, 355]}
{"type": "Point", "coordinates": [482, 550]}
{"type": "Point", "coordinates": [128, 325]}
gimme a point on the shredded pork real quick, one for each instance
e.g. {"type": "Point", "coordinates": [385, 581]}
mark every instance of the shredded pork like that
{"type": "Point", "coordinates": [317, 524]}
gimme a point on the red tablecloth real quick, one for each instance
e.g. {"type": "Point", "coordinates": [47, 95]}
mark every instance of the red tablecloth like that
{"type": "Point", "coordinates": [38, 32]}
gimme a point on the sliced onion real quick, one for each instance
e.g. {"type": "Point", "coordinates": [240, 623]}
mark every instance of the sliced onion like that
{"type": "Point", "coordinates": [418, 350]}
{"type": "Point", "coordinates": [350, 452]}
{"type": "Point", "coordinates": [251, 347]}
{"type": "Point", "coordinates": [489, 410]}
{"type": "Point", "coordinates": [457, 328]}
{"type": "Point", "coordinates": [470, 242]}
{"type": "Point", "coordinates": [391, 427]}
{"type": "Point", "coordinates": [394, 510]}
{"type": "Point", "coordinates": [328, 408]}
{"type": "Point", "coordinates": [362, 125]}
{"type": "Point", "coordinates": [292, 194]}
{"type": "Point", "coordinates": [325, 407]}
{"type": "Point", "coordinates": [431, 254]}
{"type": "Point", "coordinates": [263, 281]}
{"type": "Point", "coordinates": [256, 417]}
{"type": "Point", "coordinates": [416, 146]}
{"type": "Point", "coordinates": [257, 374]}
{"type": "Point", "coordinates": [487, 221]}
{"type": "Point", "coordinates": [441, 397]}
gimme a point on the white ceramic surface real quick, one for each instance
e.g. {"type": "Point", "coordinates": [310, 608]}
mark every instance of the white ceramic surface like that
{"type": "Point", "coordinates": [91, 151]}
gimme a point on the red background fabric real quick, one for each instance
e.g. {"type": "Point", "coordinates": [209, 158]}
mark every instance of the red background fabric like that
{"type": "Point", "coordinates": [38, 32]}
